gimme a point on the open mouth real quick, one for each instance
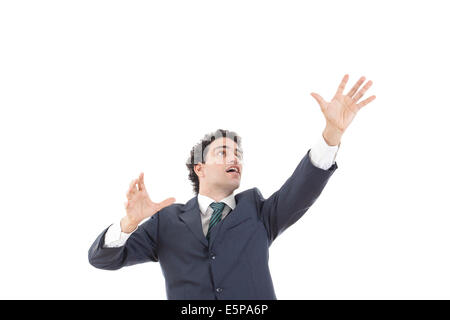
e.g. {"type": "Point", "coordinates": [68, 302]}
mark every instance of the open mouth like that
{"type": "Point", "coordinates": [234, 170]}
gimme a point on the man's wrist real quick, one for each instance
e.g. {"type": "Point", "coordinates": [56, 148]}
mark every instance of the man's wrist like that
{"type": "Point", "coordinates": [332, 135]}
{"type": "Point", "coordinates": [128, 226]}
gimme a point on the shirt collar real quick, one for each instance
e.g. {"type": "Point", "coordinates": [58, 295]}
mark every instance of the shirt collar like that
{"type": "Point", "coordinates": [205, 201]}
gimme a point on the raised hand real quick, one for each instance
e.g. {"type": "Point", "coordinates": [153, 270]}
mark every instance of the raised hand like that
{"type": "Point", "coordinates": [139, 205]}
{"type": "Point", "coordinates": [341, 110]}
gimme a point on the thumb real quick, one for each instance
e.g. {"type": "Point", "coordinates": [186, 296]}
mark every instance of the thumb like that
{"type": "Point", "coordinates": [319, 100]}
{"type": "Point", "coordinates": [165, 203]}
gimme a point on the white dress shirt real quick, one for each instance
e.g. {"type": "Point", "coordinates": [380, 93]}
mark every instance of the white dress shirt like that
{"type": "Point", "coordinates": [204, 204]}
{"type": "Point", "coordinates": [322, 156]}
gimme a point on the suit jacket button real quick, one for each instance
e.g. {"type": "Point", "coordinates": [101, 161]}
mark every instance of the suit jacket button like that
{"type": "Point", "coordinates": [219, 290]}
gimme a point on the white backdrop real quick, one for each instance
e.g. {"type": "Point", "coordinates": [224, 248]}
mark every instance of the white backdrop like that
{"type": "Point", "coordinates": [94, 92]}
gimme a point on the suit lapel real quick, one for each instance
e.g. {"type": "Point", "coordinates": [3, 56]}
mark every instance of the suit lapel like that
{"type": "Point", "coordinates": [234, 218]}
{"type": "Point", "coordinates": [190, 215]}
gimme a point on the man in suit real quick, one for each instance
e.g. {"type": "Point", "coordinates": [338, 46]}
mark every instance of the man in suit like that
{"type": "Point", "coordinates": [216, 246]}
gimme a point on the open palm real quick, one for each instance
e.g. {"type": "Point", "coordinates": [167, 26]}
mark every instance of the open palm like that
{"type": "Point", "coordinates": [341, 110]}
{"type": "Point", "coordinates": [139, 205]}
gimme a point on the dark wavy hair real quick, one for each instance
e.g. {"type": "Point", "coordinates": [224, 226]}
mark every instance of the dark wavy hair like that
{"type": "Point", "coordinates": [200, 150]}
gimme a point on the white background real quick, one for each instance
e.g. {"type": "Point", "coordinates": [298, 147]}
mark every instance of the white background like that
{"type": "Point", "coordinates": [94, 92]}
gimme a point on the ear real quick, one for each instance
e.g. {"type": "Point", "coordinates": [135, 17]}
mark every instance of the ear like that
{"type": "Point", "coordinates": [198, 169]}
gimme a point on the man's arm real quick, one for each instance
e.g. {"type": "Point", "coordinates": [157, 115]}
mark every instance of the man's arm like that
{"type": "Point", "coordinates": [125, 243]}
{"type": "Point", "coordinates": [299, 192]}
{"type": "Point", "coordinates": [323, 155]}
{"type": "Point", "coordinates": [115, 237]}
{"type": "Point", "coordinates": [139, 247]}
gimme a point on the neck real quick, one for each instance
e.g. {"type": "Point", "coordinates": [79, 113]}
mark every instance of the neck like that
{"type": "Point", "coordinates": [216, 195]}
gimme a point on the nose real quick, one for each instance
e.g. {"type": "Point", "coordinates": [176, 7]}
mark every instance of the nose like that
{"type": "Point", "coordinates": [234, 160]}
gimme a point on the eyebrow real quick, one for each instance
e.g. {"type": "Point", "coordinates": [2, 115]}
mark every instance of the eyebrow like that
{"type": "Point", "coordinates": [227, 147]}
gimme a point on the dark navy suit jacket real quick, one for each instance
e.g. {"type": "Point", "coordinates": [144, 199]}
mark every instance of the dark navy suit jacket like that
{"type": "Point", "coordinates": [235, 262]}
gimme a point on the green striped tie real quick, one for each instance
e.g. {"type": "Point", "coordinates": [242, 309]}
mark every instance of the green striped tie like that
{"type": "Point", "coordinates": [216, 215]}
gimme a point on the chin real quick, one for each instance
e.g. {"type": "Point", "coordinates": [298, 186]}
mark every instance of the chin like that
{"type": "Point", "coordinates": [230, 186]}
{"type": "Point", "coordinates": [235, 186]}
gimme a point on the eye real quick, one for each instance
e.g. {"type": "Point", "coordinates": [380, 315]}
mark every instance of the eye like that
{"type": "Point", "coordinates": [221, 153]}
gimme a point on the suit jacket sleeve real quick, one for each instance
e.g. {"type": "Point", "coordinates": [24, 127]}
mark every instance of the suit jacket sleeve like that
{"type": "Point", "coordinates": [140, 247]}
{"type": "Point", "coordinates": [284, 207]}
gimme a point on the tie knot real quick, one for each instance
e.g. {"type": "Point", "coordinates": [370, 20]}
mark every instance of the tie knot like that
{"type": "Point", "coordinates": [217, 206]}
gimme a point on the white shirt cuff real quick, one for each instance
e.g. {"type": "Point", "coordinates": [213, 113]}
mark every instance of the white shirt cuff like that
{"type": "Point", "coordinates": [114, 237]}
{"type": "Point", "coordinates": [322, 155]}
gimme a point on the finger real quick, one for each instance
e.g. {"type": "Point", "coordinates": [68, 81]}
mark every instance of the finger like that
{"type": "Point", "coordinates": [165, 203]}
{"type": "Point", "coordinates": [130, 191]}
{"type": "Point", "coordinates": [362, 91]}
{"type": "Point", "coordinates": [139, 185]}
{"type": "Point", "coordinates": [132, 184]}
{"type": "Point", "coordinates": [365, 102]}
{"type": "Point", "coordinates": [356, 87]}
{"type": "Point", "coordinates": [322, 103]}
{"type": "Point", "coordinates": [141, 182]}
{"type": "Point", "coordinates": [342, 85]}
{"type": "Point", "coordinates": [133, 189]}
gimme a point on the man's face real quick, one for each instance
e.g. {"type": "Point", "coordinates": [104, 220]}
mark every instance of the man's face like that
{"type": "Point", "coordinates": [223, 166]}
